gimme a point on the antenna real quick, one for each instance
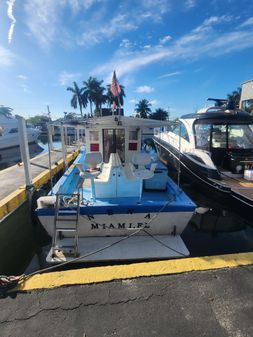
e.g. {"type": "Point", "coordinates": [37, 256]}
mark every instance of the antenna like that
{"type": "Point", "coordinates": [48, 111]}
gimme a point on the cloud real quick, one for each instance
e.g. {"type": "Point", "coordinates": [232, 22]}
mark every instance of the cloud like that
{"type": "Point", "coordinates": [22, 77]}
{"type": "Point", "coordinates": [25, 88]}
{"type": "Point", "coordinates": [116, 26]}
{"type": "Point", "coordinates": [6, 57]}
{"type": "Point", "coordinates": [190, 4]}
{"type": "Point", "coordinates": [154, 102]}
{"type": "Point", "coordinates": [248, 22]}
{"type": "Point", "coordinates": [10, 4]}
{"type": "Point", "coordinates": [165, 39]}
{"type": "Point", "coordinates": [66, 77]}
{"type": "Point", "coordinates": [144, 88]}
{"type": "Point", "coordinates": [204, 40]}
{"type": "Point", "coordinates": [125, 43]}
{"type": "Point", "coordinates": [133, 101]}
{"type": "Point", "coordinates": [43, 18]}
{"type": "Point", "coordinates": [175, 73]}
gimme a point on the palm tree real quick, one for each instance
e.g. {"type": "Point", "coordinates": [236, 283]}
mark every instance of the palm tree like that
{"type": "Point", "coordinates": [78, 98]}
{"type": "Point", "coordinates": [234, 97]}
{"type": "Point", "coordinates": [94, 92]}
{"type": "Point", "coordinates": [160, 114]}
{"type": "Point", "coordinates": [142, 108]}
{"type": "Point", "coordinates": [111, 98]}
{"type": "Point", "coordinates": [4, 110]}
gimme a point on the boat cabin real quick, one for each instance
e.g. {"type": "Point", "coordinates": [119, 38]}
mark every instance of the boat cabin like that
{"type": "Point", "coordinates": [229, 142]}
{"type": "Point", "coordinates": [111, 134]}
{"type": "Point", "coordinates": [113, 162]}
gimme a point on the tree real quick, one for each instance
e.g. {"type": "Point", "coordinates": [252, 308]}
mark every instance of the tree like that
{"type": "Point", "coordinates": [78, 99]}
{"type": "Point", "coordinates": [142, 108]}
{"type": "Point", "coordinates": [94, 93]}
{"type": "Point", "coordinates": [234, 97]}
{"type": "Point", "coordinates": [70, 115]}
{"type": "Point", "coordinates": [39, 120]}
{"type": "Point", "coordinates": [160, 114]}
{"type": "Point", "coordinates": [4, 110]}
{"type": "Point", "coordinates": [111, 98]}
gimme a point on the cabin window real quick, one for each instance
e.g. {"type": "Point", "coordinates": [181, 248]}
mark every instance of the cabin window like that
{"type": "Point", "coordinates": [247, 105]}
{"type": "Point", "coordinates": [202, 136]}
{"type": "Point", "coordinates": [240, 136]}
{"type": "Point", "coordinates": [180, 129]}
{"type": "Point", "coordinates": [133, 135]}
{"type": "Point", "coordinates": [15, 130]}
{"type": "Point", "coordinates": [113, 142]}
{"type": "Point", "coordinates": [219, 136]}
{"type": "Point", "coordinates": [94, 136]}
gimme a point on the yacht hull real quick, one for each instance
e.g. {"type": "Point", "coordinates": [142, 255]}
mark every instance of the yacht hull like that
{"type": "Point", "coordinates": [241, 202]}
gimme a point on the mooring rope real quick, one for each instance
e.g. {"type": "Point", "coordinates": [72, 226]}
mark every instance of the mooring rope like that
{"type": "Point", "coordinates": [12, 281]}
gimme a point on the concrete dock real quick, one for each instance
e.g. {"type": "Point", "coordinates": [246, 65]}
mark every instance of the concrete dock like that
{"type": "Point", "coordinates": [12, 179]}
{"type": "Point", "coordinates": [210, 296]}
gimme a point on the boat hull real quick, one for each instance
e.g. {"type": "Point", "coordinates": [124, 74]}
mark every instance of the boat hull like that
{"type": "Point", "coordinates": [204, 178]}
{"type": "Point", "coordinates": [164, 223]}
{"type": "Point", "coordinates": [122, 249]}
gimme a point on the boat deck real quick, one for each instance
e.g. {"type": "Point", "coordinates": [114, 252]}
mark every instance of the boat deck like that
{"type": "Point", "coordinates": [171, 196]}
{"type": "Point", "coordinates": [239, 185]}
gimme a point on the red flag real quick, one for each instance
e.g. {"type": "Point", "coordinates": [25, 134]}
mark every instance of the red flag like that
{"type": "Point", "coordinates": [114, 105]}
{"type": "Point", "coordinates": [115, 88]}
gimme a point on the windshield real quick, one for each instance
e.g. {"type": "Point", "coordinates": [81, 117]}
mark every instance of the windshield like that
{"type": "Point", "coordinates": [240, 137]}
{"type": "Point", "coordinates": [202, 136]}
{"type": "Point", "coordinates": [224, 136]}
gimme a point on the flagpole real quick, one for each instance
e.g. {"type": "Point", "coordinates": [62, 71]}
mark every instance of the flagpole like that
{"type": "Point", "coordinates": [115, 90]}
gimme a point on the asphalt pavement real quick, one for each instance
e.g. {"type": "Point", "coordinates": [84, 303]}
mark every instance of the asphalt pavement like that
{"type": "Point", "coordinates": [202, 303]}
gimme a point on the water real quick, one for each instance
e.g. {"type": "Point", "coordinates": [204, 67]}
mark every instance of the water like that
{"type": "Point", "coordinates": [215, 228]}
{"type": "Point", "coordinates": [43, 143]}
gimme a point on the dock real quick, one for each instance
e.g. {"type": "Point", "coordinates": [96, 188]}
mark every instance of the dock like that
{"type": "Point", "coordinates": [207, 296]}
{"type": "Point", "coordinates": [12, 179]}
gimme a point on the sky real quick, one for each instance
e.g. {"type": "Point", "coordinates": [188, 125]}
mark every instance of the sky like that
{"type": "Point", "coordinates": [174, 53]}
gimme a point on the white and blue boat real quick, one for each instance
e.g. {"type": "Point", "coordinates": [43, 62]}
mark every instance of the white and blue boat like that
{"type": "Point", "coordinates": [116, 202]}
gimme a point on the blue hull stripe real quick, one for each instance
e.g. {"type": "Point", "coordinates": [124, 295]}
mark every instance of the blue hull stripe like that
{"type": "Point", "coordinates": [127, 209]}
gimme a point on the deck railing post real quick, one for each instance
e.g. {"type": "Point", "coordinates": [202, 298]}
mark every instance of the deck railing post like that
{"type": "Point", "coordinates": [50, 147]}
{"type": "Point", "coordinates": [179, 155]}
{"type": "Point", "coordinates": [78, 137]}
{"type": "Point", "coordinates": [63, 147]}
{"type": "Point", "coordinates": [50, 132]}
{"type": "Point", "coordinates": [24, 149]}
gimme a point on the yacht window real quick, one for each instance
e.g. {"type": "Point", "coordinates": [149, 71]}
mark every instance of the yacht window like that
{"type": "Point", "coordinates": [248, 105]}
{"type": "Point", "coordinates": [202, 135]}
{"type": "Point", "coordinates": [183, 132]}
{"type": "Point", "coordinates": [94, 136]}
{"type": "Point", "coordinates": [219, 136]}
{"type": "Point", "coordinates": [240, 136]}
{"type": "Point", "coordinates": [15, 130]}
{"type": "Point", "coordinates": [133, 135]}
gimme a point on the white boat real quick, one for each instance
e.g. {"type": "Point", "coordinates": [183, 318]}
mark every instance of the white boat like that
{"type": "Point", "coordinates": [9, 137]}
{"type": "Point", "coordinates": [115, 202]}
{"type": "Point", "coordinates": [213, 147]}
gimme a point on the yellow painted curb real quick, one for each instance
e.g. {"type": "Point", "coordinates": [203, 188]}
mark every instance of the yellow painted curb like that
{"type": "Point", "coordinates": [144, 269]}
{"type": "Point", "coordinates": [16, 198]}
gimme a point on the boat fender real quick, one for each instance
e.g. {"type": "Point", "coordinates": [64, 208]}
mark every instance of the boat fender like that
{"type": "Point", "coordinates": [35, 196]}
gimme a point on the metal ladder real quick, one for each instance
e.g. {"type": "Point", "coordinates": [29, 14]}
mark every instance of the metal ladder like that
{"type": "Point", "coordinates": [70, 250]}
